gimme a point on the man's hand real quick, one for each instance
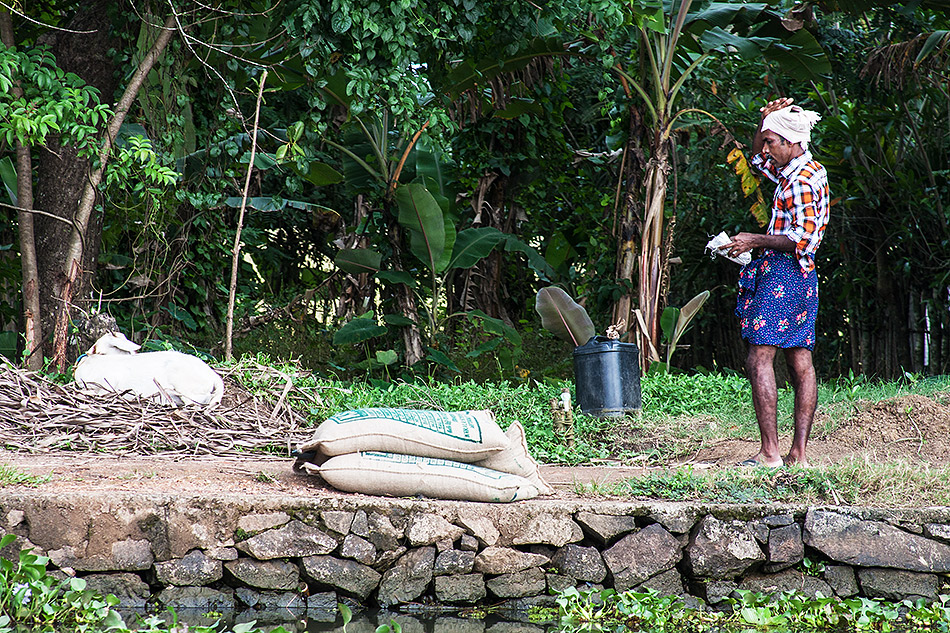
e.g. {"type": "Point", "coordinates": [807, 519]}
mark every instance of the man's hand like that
{"type": "Point", "coordinates": [777, 104]}
{"type": "Point", "coordinates": [742, 243]}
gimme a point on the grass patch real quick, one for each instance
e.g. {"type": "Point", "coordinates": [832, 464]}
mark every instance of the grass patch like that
{"type": "Point", "coordinates": [682, 414]}
{"type": "Point", "coordinates": [852, 483]}
{"type": "Point", "coordinates": [10, 476]}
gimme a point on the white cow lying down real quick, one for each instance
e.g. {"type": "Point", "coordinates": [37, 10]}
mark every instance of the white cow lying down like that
{"type": "Point", "coordinates": [112, 364]}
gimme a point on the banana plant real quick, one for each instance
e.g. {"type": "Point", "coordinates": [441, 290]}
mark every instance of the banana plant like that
{"type": "Point", "coordinates": [674, 322]}
{"type": "Point", "coordinates": [426, 214]}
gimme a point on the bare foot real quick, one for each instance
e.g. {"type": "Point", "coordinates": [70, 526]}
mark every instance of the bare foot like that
{"type": "Point", "coordinates": [759, 460]}
{"type": "Point", "coordinates": [801, 463]}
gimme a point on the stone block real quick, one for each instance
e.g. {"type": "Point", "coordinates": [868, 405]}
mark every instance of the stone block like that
{"type": "Point", "coordinates": [558, 583]}
{"type": "Point", "coordinates": [360, 524]}
{"type": "Point", "coordinates": [454, 562]}
{"type": "Point", "coordinates": [580, 563]}
{"type": "Point", "coordinates": [130, 589]}
{"type": "Point", "coordinates": [557, 529]}
{"type": "Point", "coordinates": [465, 588]}
{"type": "Point", "coordinates": [641, 555]}
{"type": "Point", "coordinates": [847, 539]}
{"type": "Point", "coordinates": [127, 555]}
{"type": "Point", "coordinates": [712, 591]}
{"type": "Point", "coordinates": [667, 583]}
{"type": "Point", "coordinates": [468, 543]}
{"type": "Point", "coordinates": [428, 529]}
{"type": "Point", "coordinates": [192, 570]}
{"type": "Point", "coordinates": [385, 558]}
{"type": "Point", "coordinates": [346, 575]}
{"type": "Point", "coordinates": [443, 545]}
{"type": "Point", "coordinates": [269, 574]}
{"type": "Point", "coordinates": [778, 520]}
{"type": "Point", "coordinates": [842, 580]}
{"type": "Point", "coordinates": [295, 539]}
{"type": "Point", "coordinates": [408, 578]}
{"type": "Point", "coordinates": [254, 523]}
{"type": "Point", "coordinates": [481, 527]}
{"type": "Point", "coordinates": [322, 606]}
{"type": "Point", "coordinates": [338, 521]}
{"type": "Point", "coordinates": [359, 549]}
{"type": "Point", "coordinates": [939, 531]}
{"type": "Point", "coordinates": [222, 553]}
{"type": "Point", "coordinates": [529, 582]}
{"type": "Point", "coordinates": [269, 601]}
{"type": "Point", "coordinates": [506, 560]}
{"type": "Point", "coordinates": [199, 523]}
{"type": "Point", "coordinates": [760, 531]}
{"type": "Point", "coordinates": [197, 598]}
{"type": "Point", "coordinates": [676, 518]}
{"type": "Point", "coordinates": [722, 549]}
{"type": "Point", "coordinates": [605, 527]}
{"type": "Point", "coordinates": [378, 529]}
{"type": "Point", "coordinates": [897, 584]}
{"type": "Point", "coordinates": [785, 548]}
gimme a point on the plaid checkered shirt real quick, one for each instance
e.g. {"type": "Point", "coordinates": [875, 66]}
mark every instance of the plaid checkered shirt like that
{"type": "Point", "coordinates": [800, 207]}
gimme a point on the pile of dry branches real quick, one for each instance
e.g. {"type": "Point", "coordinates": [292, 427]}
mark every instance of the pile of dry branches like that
{"type": "Point", "coordinates": [37, 415]}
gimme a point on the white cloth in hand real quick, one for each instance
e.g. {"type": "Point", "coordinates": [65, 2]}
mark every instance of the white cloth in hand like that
{"type": "Point", "coordinates": [715, 244]}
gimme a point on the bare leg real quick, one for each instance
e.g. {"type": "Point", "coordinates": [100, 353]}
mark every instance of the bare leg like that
{"type": "Point", "coordinates": [765, 400]}
{"type": "Point", "coordinates": [802, 372]}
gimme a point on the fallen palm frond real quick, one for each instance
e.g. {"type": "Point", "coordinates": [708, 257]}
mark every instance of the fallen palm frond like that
{"type": "Point", "coordinates": [37, 415]}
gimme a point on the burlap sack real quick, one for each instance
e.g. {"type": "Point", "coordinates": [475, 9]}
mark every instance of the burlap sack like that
{"type": "Point", "coordinates": [516, 460]}
{"type": "Point", "coordinates": [464, 436]}
{"type": "Point", "coordinates": [393, 475]}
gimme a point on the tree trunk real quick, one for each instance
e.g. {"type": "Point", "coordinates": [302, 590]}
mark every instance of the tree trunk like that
{"type": "Point", "coordinates": [651, 250]}
{"type": "Point", "coordinates": [75, 254]}
{"type": "Point", "coordinates": [33, 331]}
{"type": "Point", "coordinates": [482, 285]}
{"type": "Point", "coordinates": [406, 304]}
{"type": "Point", "coordinates": [61, 172]}
{"type": "Point", "coordinates": [631, 222]}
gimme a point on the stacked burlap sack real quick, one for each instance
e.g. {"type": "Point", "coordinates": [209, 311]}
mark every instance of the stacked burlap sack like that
{"type": "Point", "coordinates": [460, 455]}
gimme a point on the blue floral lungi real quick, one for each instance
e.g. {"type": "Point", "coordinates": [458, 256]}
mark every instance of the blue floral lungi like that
{"type": "Point", "coordinates": [778, 301]}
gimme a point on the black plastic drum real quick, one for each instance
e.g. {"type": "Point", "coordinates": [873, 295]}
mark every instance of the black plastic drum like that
{"type": "Point", "coordinates": [607, 377]}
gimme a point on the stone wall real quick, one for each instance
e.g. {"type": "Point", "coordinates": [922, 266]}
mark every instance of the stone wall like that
{"type": "Point", "coordinates": [229, 553]}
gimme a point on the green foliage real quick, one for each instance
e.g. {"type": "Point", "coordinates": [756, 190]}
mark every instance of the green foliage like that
{"type": "Point", "coordinates": [392, 627]}
{"type": "Point", "coordinates": [607, 610]}
{"type": "Point", "coordinates": [53, 101]}
{"type": "Point", "coordinates": [28, 595]}
{"type": "Point", "coordinates": [697, 394]}
{"type": "Point", "coordinates": [32, 599]}
{"type": "Point", "coordinates": [674, 323]}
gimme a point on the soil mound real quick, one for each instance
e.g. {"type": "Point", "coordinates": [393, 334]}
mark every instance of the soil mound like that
{"type": "Point", "coordinates": [911, 428]}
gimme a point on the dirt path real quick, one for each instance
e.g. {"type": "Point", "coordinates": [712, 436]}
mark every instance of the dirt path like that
{"type": "Point", "coordinates": [66, 472]}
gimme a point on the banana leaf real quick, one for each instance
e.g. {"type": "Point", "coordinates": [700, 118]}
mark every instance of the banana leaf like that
{"type": "Point", "coordinates": [564, 317]}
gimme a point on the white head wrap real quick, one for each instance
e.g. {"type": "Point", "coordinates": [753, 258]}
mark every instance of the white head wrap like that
{"type": "Point", "coordinates": [792, 123]}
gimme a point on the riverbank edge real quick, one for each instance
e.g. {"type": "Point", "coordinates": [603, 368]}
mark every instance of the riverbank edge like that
{"type": "Point", "coordinates": [229, 551]}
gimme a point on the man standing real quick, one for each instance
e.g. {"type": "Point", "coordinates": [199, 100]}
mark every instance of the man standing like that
{"type": "Point", "coordinates": [778, 292]}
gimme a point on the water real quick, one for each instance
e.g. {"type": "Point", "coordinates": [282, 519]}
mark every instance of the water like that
{"type": "Point", "coordinates": [302, 621]}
